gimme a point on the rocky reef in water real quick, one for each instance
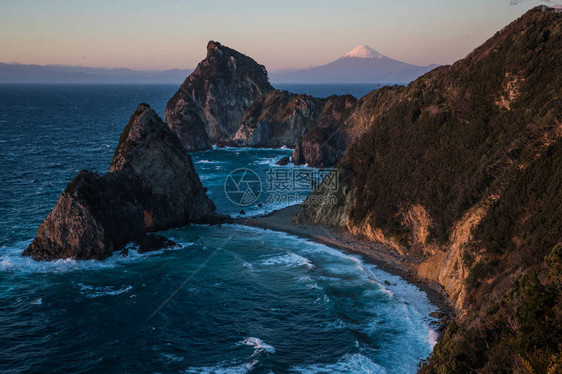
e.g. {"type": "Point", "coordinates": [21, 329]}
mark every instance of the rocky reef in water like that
{"type": "Point", "coordinates": [151, 185]}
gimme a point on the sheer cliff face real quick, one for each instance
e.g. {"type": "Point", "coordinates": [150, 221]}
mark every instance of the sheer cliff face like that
{"type": "Point", "coordinates": [151, 185]}
{"type": "Point", "coordinates": [209, 106]}
{"type": "Point", "coordinates": [457, 169]}
{"type": "Point", "coordinates": [149, 151]}
{"type": "Point", "coordinates": [325, 144]}
{"type": "Point", "coordinates": [228, 100]}
{"type": "Point", "coordinates": [278, 119]}
{"type": "Point", "coordinates": [343, 121]}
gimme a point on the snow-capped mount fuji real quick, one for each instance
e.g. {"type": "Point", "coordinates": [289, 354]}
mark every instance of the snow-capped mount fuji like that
{"type": "Point", "coordinates": [360, 65]}
{"type": "Point", "coordinates": [363, 51]}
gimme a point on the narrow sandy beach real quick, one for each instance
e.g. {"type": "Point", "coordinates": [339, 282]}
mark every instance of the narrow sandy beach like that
{"type": "Point", "coordinates": [376, 253]}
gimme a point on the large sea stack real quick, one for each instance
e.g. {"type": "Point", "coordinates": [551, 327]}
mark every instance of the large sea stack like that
{"type": "Point", "coordinates": [228, 100]}
{"type": "Point", "coordinates": [209, 106]}
{"type": "Point", "coordinates": [151, 185]}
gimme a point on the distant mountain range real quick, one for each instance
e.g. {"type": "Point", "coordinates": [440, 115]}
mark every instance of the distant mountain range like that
{"type": "Point", "coordinates": [361, 65]}
{"type": "Point", "coordinates": [19, 73]}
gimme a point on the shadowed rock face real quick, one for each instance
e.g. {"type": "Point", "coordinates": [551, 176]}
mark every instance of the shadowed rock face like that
{"type": "Point", "coordinates": [209, 106]}
{"type": "Point", "coordinates": [324, 145]}
{"type": "Point", "coordinates": [277, 119]}
{"type": "Point", "coordinates": [151, 186]}
{"type": "Point", "coordinates": [148, 150]}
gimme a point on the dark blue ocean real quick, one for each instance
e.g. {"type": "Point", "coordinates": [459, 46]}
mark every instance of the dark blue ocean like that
{"type": "Point", "coordinates": [233, 299]}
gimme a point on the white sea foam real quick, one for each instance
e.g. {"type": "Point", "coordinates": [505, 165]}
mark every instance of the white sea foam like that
{"type": "Point", "coordinates": [333, 268]}
{"type": "Point", "coordinates": [340, 263]}
{"type": "Point", "coordinates": [232, 367]}
{"type": "Point", "coordinates": [289, 259]}
{"type": "Point", "coordinates": [207, 161]}
{"type": "Point", "coordinates": [398, 289]}
{"type": "Point", "coordinates": [258, 344]}
{"type": "Point", "coordinates": [272, 162]}
{"type": "Point", "coordinates": [408, 308]}
{"type": "Point", "coordinates": [266, 161]}
{"type": "Point", "coordinates": [337, 325]}
{"type": "Point", "coordinates": [349, 363]}
{"type": "Point", "coordinates": [247, 265]}
{"type": "Point", "coordinates": [432, 336]}
{"type": "Point", "coordinates": [171, 357]}
{"type": "Point", "coordinates": [99, 291]}
{"type": "Point", "coordinates": [255, 211]}
{"type": "Point", "coordinates": [222, 368]}
{"type": "Point", "coordinates": [310, 283]}
{"type": "Point", "coordinates": [12, 261]}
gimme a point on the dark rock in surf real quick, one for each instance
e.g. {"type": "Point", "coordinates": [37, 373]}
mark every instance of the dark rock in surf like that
{"type": "Point", "coordinates": [283, 161]}
{"type": "Point", "coordinates": [151, 185]}
{"type": "Point", "coordinates": [152, 242]}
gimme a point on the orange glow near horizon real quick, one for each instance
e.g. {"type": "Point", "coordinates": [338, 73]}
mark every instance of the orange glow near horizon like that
{"type": "Point", "coordinates": [148, 35]}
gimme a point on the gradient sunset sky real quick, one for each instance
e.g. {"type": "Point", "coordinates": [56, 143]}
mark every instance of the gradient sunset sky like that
{"type": "Point", "coordinates": [279, 34]}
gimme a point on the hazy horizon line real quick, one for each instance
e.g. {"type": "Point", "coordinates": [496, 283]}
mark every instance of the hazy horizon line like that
{"type": "Point", "coordinates": [274, 71]}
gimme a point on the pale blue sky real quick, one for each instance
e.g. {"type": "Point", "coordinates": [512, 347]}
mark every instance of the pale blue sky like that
{"type": "Point", "coordinates": [279, 34]}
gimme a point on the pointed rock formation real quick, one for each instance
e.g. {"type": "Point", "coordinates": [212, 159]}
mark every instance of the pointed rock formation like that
{"type": "Point", "coordinates": [209, 106]}
{"type": "Point", "coordinates": [151, 185]}
{"type": "Point", "coordinates": [228, 100]}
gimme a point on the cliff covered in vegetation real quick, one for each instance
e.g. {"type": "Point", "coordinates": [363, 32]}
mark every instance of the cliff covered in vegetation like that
{"type": "Point", "coordinates": [463, 169]}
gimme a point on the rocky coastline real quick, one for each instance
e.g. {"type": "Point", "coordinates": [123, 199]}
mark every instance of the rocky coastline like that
{"type": "Point", "coordinates": [286, 220]}
{"type": "Point", "coordinates": [452, 182]}
{"type": "Point", "coordinates": [459, 172]}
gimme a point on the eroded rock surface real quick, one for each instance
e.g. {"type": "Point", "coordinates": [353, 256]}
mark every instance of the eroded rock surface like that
{"type": "Point", "coordinates": [209, 106]}
{"type": "Point", "coordinates": [325, 144]}
{"type": "Point", "coordinates": [151, 185]}
{"type": "Point", "coordinates": [278, 119]}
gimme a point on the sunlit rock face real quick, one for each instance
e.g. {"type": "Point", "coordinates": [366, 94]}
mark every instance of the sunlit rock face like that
{"type": "Point", "coordinates": [209, 106]}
